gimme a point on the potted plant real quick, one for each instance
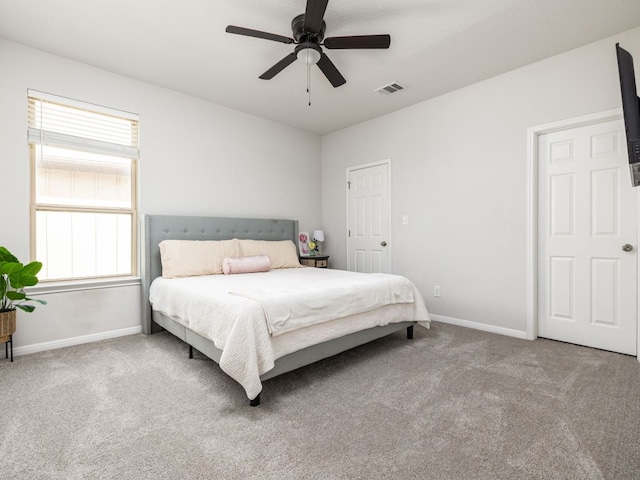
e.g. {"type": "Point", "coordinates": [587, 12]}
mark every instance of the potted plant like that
{"type": "Point", "coordinates": [14, 277]}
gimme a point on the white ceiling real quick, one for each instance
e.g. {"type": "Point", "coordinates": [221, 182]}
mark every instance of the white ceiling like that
{"type": "Point", "coordinates": [436, 46]}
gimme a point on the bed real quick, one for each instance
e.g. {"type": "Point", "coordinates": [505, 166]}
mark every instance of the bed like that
{"type": "Point", "coordinates": [254, 345]}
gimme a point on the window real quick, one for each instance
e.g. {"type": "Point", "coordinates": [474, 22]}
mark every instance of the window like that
{"type": "Point", "coordinates": [84, 166]}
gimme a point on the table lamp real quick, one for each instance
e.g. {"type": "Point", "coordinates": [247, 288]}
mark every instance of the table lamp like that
{"type": "Point", "coordinates": [318, 236]}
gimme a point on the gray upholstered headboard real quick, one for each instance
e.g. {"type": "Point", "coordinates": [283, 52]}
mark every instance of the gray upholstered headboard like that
{"type": "Point", "coordinates": [156, 228]}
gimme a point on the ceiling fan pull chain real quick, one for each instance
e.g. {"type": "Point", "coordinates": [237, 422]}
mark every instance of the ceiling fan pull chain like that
{"type": "Point", "coordinates": [309, 82]}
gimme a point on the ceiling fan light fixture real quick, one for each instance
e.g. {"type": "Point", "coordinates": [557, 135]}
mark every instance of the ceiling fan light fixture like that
{"type": "Point", "coordinates": [309, 55]}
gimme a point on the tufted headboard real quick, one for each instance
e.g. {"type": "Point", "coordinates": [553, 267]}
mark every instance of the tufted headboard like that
{"type": "Point", "coordinates": [156, 228]}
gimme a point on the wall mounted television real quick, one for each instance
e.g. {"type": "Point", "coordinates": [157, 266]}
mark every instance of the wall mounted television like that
{"type": "Point", "coordinates": [631, 111]}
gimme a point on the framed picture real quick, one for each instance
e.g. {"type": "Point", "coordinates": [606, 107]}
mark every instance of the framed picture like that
{"type": "Point", "coordinates": [303, 243]}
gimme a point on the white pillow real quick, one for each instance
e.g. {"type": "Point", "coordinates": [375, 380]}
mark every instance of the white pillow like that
{"type": "Point", "coordinates": [188, 258]}
{"type": "Point", "coordinates": [254, 264]}
{"type": "Point", "coordinates": [283, 253]}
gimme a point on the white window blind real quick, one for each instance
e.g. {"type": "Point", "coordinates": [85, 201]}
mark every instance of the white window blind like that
{"type": "Point", "coordinates": [84, 164]}
{"type": "Point", "coordinates": [81, 126]}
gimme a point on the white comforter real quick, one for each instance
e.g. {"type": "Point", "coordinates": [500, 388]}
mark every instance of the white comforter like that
{"type": "Point", "coordinates": [238, 312]}
{"type": "Point", "coordinates": [302, 297]}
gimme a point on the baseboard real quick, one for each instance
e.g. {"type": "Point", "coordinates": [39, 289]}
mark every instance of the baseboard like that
{"type": "Point", "coordinates": [68, 342]}
{"type": "Point", "coordinates": [510, 332]}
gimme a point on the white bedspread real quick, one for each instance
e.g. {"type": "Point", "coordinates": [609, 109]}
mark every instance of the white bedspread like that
{"type": "Point", "coordinates": [305, 297]}
{"type": "Point", "coordinates": [237, 325]}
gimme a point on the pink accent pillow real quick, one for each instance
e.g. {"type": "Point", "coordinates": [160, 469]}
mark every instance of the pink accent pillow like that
{"type": "Point", "coordinates": [253, 264]}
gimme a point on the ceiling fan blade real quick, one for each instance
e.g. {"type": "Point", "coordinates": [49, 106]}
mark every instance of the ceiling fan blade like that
{"type": "Point", "coordinates": [258, 34]}
{"type": "Point", "coordinates": [278, 67]}
{"type": "Point", "coordinates": [313, 15]}
{"type": "Point", "coordinates": [358, 41]}
{"type": "Point", "coordinates": [330, 71]}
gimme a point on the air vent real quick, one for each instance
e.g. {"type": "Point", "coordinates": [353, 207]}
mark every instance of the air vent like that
{"type": "Point", "coordinates": [393, 87]}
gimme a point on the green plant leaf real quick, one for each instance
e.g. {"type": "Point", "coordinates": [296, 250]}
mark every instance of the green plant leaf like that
{"type": "Point", "coordinates": [11, 295]}
{"type": "Point", "coordinates": [41, 302]}
{"type": "Point", "coordinates": [7, 256]}
{"type": "Point", "coordinates": [14, 282]}
{"type": "Point", "coordinates": [21, 280]}
{"type": "Point", "coordinates": [10, 268]}
{"type": "Point", "coordinates": [32, 268]}
{"type": "Point", "coordinates": [26, 308]}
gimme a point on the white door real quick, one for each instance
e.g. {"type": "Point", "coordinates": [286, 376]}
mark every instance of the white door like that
{"type": "Point", "coordinates": [368, 219]}
{"type": "Point", "coordinates": [587, 213]}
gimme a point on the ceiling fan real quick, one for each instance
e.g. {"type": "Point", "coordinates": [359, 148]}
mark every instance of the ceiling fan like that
{"type": "Point", "coordinates": [308, 34]}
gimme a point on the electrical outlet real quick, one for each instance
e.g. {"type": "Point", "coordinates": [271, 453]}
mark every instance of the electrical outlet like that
{"type": "Point", "coordinates": [436, 291]}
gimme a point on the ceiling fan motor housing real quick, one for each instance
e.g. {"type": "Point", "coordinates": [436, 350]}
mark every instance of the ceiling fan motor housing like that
{"type": "Point", "coordinates": [297, 27]}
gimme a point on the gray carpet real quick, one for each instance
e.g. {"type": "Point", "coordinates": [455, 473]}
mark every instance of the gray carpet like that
{"type": "Point", "coordinates": [453, 403]}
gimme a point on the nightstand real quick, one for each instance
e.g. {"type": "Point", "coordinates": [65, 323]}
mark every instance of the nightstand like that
{"type": "Point", "coordinates": [318, 261]}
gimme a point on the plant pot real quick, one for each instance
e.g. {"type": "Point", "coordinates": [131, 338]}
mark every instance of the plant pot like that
{"type": "Point", "coordinates": [7, 325]}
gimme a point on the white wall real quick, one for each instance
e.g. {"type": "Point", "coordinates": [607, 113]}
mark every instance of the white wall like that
{"type": "Point", "coordinates": [197, 158]}
{"type": "Point", "coordinates": [459, 170]}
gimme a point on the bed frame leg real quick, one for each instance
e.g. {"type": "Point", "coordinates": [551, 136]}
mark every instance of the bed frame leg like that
{"type": "Point", "coordinates": [410, 332]}
{"type": "Point", "coordinates": [190, 351]}
{"type": "Point", "coordinates": [255, 402]}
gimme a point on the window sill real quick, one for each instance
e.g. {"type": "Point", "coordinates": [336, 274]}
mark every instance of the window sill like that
{"type": "Point", "coordinates": [46, 288]}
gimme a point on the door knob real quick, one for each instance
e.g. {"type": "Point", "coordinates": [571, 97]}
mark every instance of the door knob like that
{"type": "Point", "coordinates": [384, 244]}
{"type": "Point", "coordinates": [627, 247]}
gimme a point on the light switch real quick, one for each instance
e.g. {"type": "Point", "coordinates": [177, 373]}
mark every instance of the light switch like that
{"type": "Point", "coordinates": [405, 219]}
